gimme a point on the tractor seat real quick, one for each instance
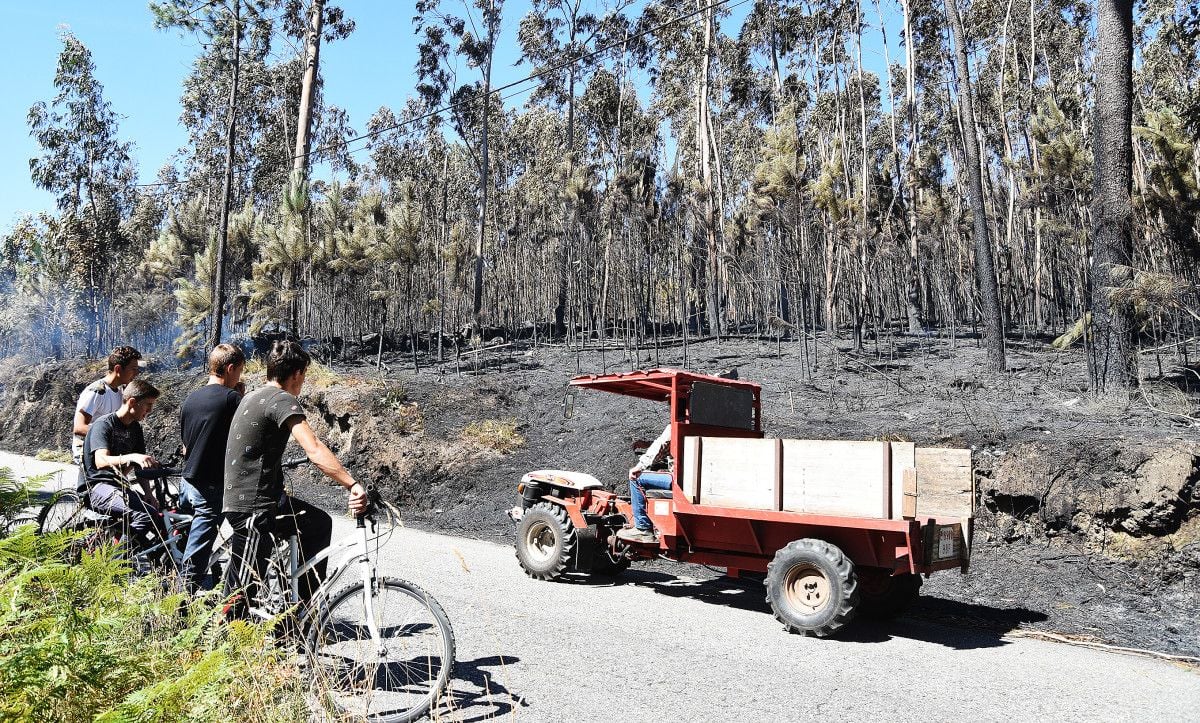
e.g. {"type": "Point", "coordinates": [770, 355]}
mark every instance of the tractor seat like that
{"type": "Point", "coordinates": [658, 494]}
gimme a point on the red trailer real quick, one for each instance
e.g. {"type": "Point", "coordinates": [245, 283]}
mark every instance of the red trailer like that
{"type": "Point", "coordinates": [838, 527]}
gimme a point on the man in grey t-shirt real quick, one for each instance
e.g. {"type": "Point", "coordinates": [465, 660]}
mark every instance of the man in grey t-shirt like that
{"type": "Point", "coordinates": [254, 496]}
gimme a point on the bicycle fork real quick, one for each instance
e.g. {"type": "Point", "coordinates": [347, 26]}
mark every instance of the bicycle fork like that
{"type": "Point", "coordinates": [369, 587]}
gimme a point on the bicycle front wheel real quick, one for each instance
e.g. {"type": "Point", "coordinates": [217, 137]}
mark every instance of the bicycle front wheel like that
{"type": "Point", "coordinates": [397, 677]}
{"type": "Point", "coordinates": [65, 512]}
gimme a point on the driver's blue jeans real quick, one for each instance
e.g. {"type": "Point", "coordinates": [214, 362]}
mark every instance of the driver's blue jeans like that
{"type": "Point", "coordinates": [646, 481]}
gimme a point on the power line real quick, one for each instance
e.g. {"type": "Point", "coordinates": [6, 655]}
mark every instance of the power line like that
{"type": "Point", "coordinates": [479, 96]}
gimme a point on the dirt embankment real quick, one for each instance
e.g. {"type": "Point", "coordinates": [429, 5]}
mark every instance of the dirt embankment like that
{"type": "Point", "coordinates": [1089, 513]}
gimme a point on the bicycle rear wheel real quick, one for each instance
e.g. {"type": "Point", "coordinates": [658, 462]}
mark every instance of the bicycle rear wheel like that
{"type": "Point", "coordinates": [400, 677]}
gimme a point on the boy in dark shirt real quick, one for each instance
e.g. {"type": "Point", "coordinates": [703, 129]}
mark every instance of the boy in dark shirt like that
{"type": "Point", "coordinates": [204, 421]}
{"type": "Point", "coordinates": [254, 493]}
{"type": "Point", "coordinates": [115, 441]}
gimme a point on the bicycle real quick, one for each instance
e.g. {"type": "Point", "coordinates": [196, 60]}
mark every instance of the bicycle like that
{"type": "Point", "coordinates": [382, 648]}
{"type": "Point", "coordinates": [71, 510]}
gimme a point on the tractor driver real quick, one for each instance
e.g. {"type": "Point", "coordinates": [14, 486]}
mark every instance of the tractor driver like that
{"type": "Point", "coordinates": [640, 480]}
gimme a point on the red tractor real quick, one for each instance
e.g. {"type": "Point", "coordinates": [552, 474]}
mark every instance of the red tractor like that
{"type": "Point", "coordinates": [837, 527]}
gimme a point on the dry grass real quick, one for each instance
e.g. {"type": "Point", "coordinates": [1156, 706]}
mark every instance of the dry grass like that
{"type": "Point", "coordinates": [53, 455]}
{"type": "Point", "coordinates": [254, 365]}
{"type": "Point", "coordinates": [1125, 546]}
{"type": "Point", "coordinates": [320, 376]}
{"type": "Point", "coordinates": [406, 415]}
{"type": "Point", "coordinates": [499, 435]}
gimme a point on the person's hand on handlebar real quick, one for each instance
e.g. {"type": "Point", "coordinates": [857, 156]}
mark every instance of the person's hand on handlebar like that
{"type": "Point", "coordinates": [358, 499]}
{"type": "Point", "coordinates": [143, 461]}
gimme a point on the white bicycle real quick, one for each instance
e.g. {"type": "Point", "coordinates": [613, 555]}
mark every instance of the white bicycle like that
{"type": "Point", "coordinates": [381, 648]}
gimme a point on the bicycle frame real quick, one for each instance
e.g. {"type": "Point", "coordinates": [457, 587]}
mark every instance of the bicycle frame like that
{"type": "Point", "coordinates": [176, 524]}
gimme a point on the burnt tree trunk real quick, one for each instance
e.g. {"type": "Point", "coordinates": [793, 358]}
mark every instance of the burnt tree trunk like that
{"type": "Point", "coordinates": [218, 284]}
{"type": "Point", "coordinates": [985, 273]}
{"type": "Point", "coordinates": [1112, 363]}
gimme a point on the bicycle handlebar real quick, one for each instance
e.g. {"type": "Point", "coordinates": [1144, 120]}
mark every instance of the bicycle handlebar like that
{"type": "Point", "coordinates": [294, 463]}
{"type": "Point", "coordinates": [152, 473]}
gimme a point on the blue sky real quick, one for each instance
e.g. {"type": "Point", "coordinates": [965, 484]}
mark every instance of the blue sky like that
{"type": "Point", "coordinates": [142, 71]}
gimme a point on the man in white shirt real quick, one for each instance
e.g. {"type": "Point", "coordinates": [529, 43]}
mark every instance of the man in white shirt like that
{"type": "Point", "coordinates": [639, 481]}
{"type": "Point", "coordinates": [103, 396]}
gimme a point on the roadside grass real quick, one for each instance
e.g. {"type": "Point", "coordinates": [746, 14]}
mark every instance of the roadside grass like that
{"type": "Point", "coordinates": [496, 434]}
{"type": "Point", "coordinates": [83, 641]}
{"type": "Point", "coordinates": [53, 455]}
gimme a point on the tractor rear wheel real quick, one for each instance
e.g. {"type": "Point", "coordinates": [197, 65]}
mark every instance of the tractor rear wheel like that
{"type": "Point", "coordinates": [883, 596]}
{"type": "Point", "coordinates": [546, 541]}
{"type": "Point", "coordinates": [812, 588]}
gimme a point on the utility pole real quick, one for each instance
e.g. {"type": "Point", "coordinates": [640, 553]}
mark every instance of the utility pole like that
{"type": "Point", "coordinates": [218, 286]}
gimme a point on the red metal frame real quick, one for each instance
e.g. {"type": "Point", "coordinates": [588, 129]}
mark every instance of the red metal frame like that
{"type": "Point", "coordinates": [741, 539]}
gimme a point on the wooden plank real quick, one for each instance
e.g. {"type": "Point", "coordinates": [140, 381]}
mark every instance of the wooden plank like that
{"type": "Point", "coordinates": [691, 460]}
{"type": "Point", "coordinates": [947, 483]}
{"type": "Point", "coordinates": [908, 505]}
{"type": "Point", "coordinates": [738, 473]}
{"type": "Point", "coordinates": [778, 475]}
{"type": "Point", "coordinates": [903, 458]}
{"type": "Point", "coordinates": [834, 478]}
{"type": "Point", "coordinates": [886, 487]}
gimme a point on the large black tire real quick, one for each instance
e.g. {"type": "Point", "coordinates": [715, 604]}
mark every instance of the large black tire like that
{"type": "Point", "coordinates": [546, 541]}
{"type": "Point", "coordinates": [812, 588]}
{"type": "Point", "coordinates": [883, 596]}
{"type": "Point", "coordinates": [403, 677]}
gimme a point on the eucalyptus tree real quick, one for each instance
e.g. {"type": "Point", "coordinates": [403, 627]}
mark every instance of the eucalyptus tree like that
{"type": "Point", "coordinates": [683, 56]}
{"type": "Point", "coordinates": [319, 21]}
{"type": "Point", "coordinates": [215, 20]}
{"type": "Point", "coordinates": [438, 27]}
{"type": "Point", "coordinates": [985, 274]}
{"type": "Point", "coordinates": [558, 40]}
{"type": "Point", "coordinates": [1114, 356]}
{"type": "Point", "coordinates": [86, 165]}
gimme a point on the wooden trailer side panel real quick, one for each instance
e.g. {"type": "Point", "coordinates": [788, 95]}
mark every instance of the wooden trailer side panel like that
{"type": "Point", "coordinates": [904, 458]}
{"type": "Point", "coordinates": [851, 479]}
{"type": "Point", "coordinates": [740, 473]}
{"type": "Point", "coordinates": [945, 482]}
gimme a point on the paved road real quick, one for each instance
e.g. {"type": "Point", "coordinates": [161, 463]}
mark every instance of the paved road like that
{"type": "Point", "coordinates": [659, 647]}
{"type": "Point", "coordinates": [656, 647]}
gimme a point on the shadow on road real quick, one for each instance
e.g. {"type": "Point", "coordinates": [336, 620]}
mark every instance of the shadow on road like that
{"type": "Point", "coordinates": [954, 624]}
{"type": "Point", "coordinates": [951, 623]}
{"type": "Point", "coordinates": [475, 693]}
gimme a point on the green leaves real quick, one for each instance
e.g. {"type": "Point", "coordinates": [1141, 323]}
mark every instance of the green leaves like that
{"type": "Point", "coordinates": [82, 642]}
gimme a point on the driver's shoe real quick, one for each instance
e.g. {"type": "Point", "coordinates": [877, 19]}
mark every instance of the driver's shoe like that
{"type": "Point", "coordinates": [636, 534]}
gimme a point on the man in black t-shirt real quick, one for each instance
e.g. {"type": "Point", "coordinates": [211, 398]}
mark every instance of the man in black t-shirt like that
{"type": "Point", "coordinates": [114, 442]}
{"type": "Point", "coordinates": [204, 421]}
{"type": "Point", "coordinates": [254, 496]}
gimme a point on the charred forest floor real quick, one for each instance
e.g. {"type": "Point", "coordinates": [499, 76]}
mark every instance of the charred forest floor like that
{"type": "Point", "coordinates": [1088, 513]}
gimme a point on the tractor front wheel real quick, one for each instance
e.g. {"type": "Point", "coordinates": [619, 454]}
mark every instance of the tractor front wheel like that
{"type": "Point", "coordinates": [811, 588]}
{"type": "Point", "coordinates": [546, 541]}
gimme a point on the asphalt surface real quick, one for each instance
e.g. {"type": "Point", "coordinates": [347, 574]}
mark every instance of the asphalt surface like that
{"type": "Point", "coordinates": [658, 646]}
